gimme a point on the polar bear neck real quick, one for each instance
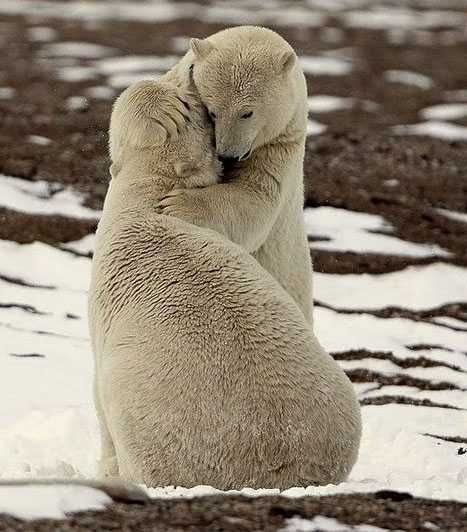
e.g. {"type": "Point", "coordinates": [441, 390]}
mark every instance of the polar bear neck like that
{"type": "Point", "coordinates": [139, 184]}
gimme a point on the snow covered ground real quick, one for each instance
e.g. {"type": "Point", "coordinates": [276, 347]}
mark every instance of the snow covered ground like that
{"type": "Point", "coordinates": [47, 423]}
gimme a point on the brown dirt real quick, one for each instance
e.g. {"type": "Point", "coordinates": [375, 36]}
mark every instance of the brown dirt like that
{"type": "Point", "coordinates": [386, 509]}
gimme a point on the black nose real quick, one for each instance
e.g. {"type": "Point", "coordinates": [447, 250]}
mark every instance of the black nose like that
{"type": "Point", "coordinates": [228, 160]}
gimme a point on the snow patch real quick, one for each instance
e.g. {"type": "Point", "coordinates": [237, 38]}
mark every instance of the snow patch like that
{"type": "Point", "coordinates": [84, 50]}
{"type": "Point", "coordinates": [382, 18]}
{"type": "Point", "coordinates": [6, 93]}
{"type": "Point", "coordinates": [292, 16]}
{"type": "Point", "coordinates": [339, 332]}
{"type": "Point", "coordinates": [406, 77]}
{"type": "Point", "coordinates": [100, 92]}
{"type": "Point", "coordinates": [38, 263]}
{"type": "Point", "coordinates": [352, 231]}
{"type": "Point", "coordinates": [327, 524]}
{"type": "Point", "coordinates": [38, 139]}
{"type": "Point", "coordinates": [83, 245]}
{"type": "Point", "coordinates": [50, 502]}
{"type": "Point", "coordinates": [77, 103]}
{"type": "Point", "coordinates": [41, 34]}
{"type": "Point", "coordinates": [74, 74]}
{"type": "Point", "coordinates": [134, 63]}
{"type": "Point", "coordinates": [324, 66]}
{"type": "Point", "coordinates": [418, 284]}
{"type": "Point", "coordinates": [314, 128]}
{"type": "Point", "coordinates": [43, 197]}
{"type": "Point", "coordinates": [323, 103]}
{"type": "Point", "coordinates": [453, 215]}
{"type": "Point", "coordinates": [445, 111]}
{"type": "Point", "coordinates": [122, 81]}
{"type": "Point", "coordinates": [436, 129]}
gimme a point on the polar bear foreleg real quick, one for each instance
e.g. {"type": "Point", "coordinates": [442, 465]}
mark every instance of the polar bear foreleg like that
{"type": "Point", "coordinates": [242, 215]}
{"type": "Point", "coordinates": [108, 463]}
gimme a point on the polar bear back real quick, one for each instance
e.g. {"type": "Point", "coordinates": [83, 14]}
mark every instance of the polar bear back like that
{"type": "Point", "coordinates": [207, 366]}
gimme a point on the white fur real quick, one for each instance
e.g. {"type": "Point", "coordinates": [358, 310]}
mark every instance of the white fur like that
{"type": "Point", "coordinates": [260, 206]}
{"type": "Point", "coordinates": [206, 369]}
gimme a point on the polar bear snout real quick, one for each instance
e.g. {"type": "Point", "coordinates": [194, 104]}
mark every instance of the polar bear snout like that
{"type": "Point", "coordinates": [228, 160]}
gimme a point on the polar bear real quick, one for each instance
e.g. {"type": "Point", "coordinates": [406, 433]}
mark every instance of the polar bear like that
{"type": "Point", "coordinates": [250, 81]}
{"type": "Point", "coordinates": [206, 369]}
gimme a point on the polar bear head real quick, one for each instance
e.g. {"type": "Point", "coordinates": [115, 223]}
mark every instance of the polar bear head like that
{"type": "Point", "coordinates": [163, 128]}
{"type": "Point", "coordinates": [247, 77]}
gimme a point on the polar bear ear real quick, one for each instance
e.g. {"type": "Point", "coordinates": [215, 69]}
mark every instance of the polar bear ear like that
{"type": "Point", "coordinates": [143, 132]}
{"type": "Point", "coordinates": [201, 48]}
{"type": "Point", "coordinates": [287, 62]}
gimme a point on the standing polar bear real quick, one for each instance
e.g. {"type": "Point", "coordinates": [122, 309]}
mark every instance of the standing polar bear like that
{"type": "Point", "coordinates": [251, 83]}
{"type": "Point", "coordinates": [206, 369]}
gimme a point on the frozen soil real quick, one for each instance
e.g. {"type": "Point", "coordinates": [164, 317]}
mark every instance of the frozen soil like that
{"type": "Point", "coordinates": [387, 510]}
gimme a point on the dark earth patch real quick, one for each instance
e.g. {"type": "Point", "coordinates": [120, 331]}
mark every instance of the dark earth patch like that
{"type": "Point", "coordinates": [386, 509]}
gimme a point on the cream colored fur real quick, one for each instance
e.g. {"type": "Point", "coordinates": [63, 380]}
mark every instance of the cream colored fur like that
{"type": "Point", "coordinates": [238, 71]}
{"type": "Point", "coordinates": [206, 370]}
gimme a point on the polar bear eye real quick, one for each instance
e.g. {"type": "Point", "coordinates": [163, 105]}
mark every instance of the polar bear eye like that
{"type": "Point", "coordinates": [247, 115]}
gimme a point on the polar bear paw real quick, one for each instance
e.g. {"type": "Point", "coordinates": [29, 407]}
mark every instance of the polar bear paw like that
{"type": "Point", "coordinates": [186, 204]}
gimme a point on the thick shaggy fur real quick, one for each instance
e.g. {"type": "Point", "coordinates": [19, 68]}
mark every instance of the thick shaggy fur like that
{"type": "Point", "coordinates": [239, 71]}
{"type": "Point", "coordinates": [206, 369]}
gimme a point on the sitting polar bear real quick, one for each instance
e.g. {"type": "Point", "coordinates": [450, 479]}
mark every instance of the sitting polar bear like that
{"type": "Point", "coordinates": [206, 370]}
{"type": "Point", "coordinates": [254, 88]}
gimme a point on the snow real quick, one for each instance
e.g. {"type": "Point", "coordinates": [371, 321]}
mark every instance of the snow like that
{"type": "Point", "coordinates": [120, 72]}
{"type": "Point", "coordinates": [76, 73]}
{"type": "Point", "coordinates": [331, 35]}
{"type": "Point", "coordinates": [406, 77]}
{"type": "Point", "coordinates": [84, 50]}
{"type": "Point", "coordinates": [100, 92]}
{"type": "Point", "coordinates": [41, 34]}
{"type": "Point", "coordinates": [121, 81]}
{"type": "Point", "coordinates": [419, 284]}
{"type": "Point", "coordinates": [391, 17]}
{"type": "Point", "coordinates": [6, 93]}
{"type": "Point", "coordinates": [132, 63]}
{"type": "Point", "coordinates": [84, 245]}
{"type": "Point", "coordinates": [432, 128]}
{"type": "Point", "coordinates": [315, 128]}
{"type": "Point", "coordinates": [386, 367]}
{"type": "Point", "coordinates": [40, 264]}
{"type": "Point", "coordinates": [41, 419]}
{"type": "Point", "coordinates": [453, 215]}
{"type": "Point", "coordinates": [38, 139]}
{"type": "Point", "coordinates": [77, 103]}
{"type": "Point", "coordinates": [365, 331]}
{"type": "Point", "coordinates": [50, 501]}
{"type": "Point", "coordinates": [292, 16]}
{"type": "Point", "coordinates": [161, 11]}
{"type": "Point", "coordinates": [42, 197]}
{"type": "Point", "coordinates": [326, 524]}
{"type": "Point", "coordinates": [324, 66]}
{"type": "Point", "coordinates": [451, 322]}
{"type": "Point", "coordinates": [352, 231]}
{"type": "Point", "coordinates": [323, 103]}
{"type": "Point", "coordinates": [445, 111]}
